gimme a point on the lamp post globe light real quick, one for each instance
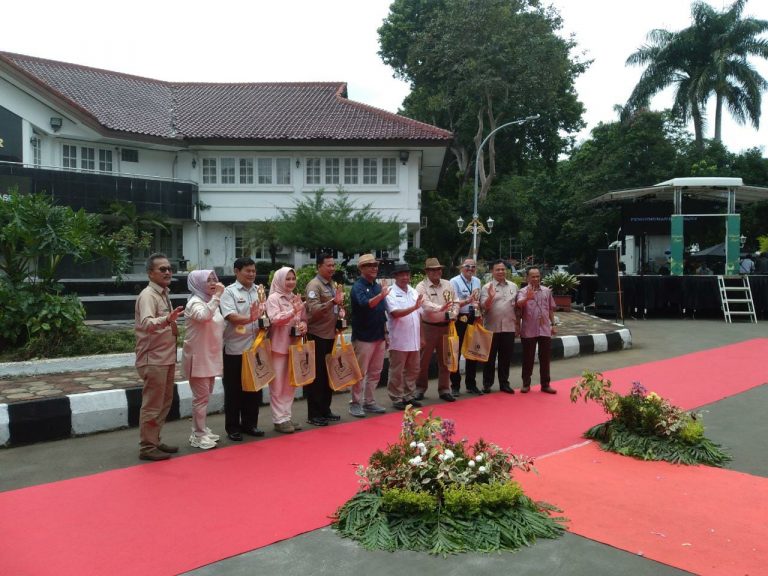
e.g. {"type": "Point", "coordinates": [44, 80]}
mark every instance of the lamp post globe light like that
{"type": "Point", "coordinates": [475, 225]}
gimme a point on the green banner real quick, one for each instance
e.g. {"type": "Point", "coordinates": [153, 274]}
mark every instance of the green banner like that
{"type": "Point", "coordinates": [732, 244]}
{"type": "Point", "coordinates": [677, 246]}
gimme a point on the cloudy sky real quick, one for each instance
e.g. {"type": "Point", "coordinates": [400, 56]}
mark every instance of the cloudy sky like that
{"type": "Point", "coordinates": [322, 40]}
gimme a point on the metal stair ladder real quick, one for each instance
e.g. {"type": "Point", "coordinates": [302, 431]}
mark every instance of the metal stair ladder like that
{"type": "Point", "coordinates": [736, 297]}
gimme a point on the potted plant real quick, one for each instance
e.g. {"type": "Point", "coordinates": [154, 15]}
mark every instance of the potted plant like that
{"type": "Point", "coordinates": [562, 285]}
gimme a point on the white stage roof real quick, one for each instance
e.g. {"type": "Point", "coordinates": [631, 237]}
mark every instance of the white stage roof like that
{"type": "Point", "coordinates": [708, 188]}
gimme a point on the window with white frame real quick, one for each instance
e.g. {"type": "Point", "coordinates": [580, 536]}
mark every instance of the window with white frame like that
{"type": "Point", "coordinates": [370, 171]}
{"type": "Point", "coordinates": [264, 170]}
{"type": "Point", "coordinates": [283, 171]}
{"type": "Point", "coordinates": [313, 171]}
{"type": "Point", "coordinates": [37, 152]}
{"type": "Point", "coordinates": [87, 158]}
{"type": "Point", "coordinates": [332, 171]}
{"type": "Point", "coordinates": [209, 171]}
{"type": "Point", "coordinates": [105, 160]}
{"type": "Point", "coordinates": [389, 171]}
{"type": "Point", "coordinates": [246, 170]}
{"type": "Point", "coordinates": [227, 170]}
{"type": "Point", "coordinates": [69, 156]}
{"type": "Point", "coordinates": [351, 170]}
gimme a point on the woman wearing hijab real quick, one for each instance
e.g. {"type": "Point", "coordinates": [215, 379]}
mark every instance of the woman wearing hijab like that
{"type": "Point", "coordinates": [286, 314]}
{"type": "Point", "coordinates": [202, 353]}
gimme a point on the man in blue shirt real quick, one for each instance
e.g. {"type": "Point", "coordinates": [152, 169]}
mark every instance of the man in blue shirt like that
{"type": "Point", "coordinates": [368, 335]}
{"type": "Point", "coordinates": [466, 286]}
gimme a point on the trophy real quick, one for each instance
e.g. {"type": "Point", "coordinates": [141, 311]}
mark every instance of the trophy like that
{"type": "Point", "coordinates": [295, 332]}
{"type": "Point", "coordinates": [341, 321]}
{"type": "Point", "coordinates": [474, 311]}
{"type": "Point", "coordinates": [262, 295]}
{"type": "Point", "coordinates": [447, 297]}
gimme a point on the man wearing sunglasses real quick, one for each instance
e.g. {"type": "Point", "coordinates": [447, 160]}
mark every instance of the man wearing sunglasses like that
{"type": "Point", "coordinates": [156, 332]}
{"type": "Point", "coordinates": [467, 288]}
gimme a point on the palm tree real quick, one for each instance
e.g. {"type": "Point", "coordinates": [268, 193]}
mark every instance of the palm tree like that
{"type": "Point", "coordinates": [709, 57]}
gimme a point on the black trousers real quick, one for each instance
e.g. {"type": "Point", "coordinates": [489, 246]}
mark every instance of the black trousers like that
{"type": "Point", "coordinates": [529, 355]}
{"type": "Point", "coordinates": [241, 409]}
{"type": "Point", "coordinates": [319, 394]}
{"type": "Point", "coordinates": [503, 346]}
{"type": "Point", "coordinates": [470, 366]}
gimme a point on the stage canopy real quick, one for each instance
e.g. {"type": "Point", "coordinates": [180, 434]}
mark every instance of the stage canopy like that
{"type": "Point", "coordinates": [710, 188]}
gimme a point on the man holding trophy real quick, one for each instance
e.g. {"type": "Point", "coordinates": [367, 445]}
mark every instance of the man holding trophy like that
{"type": "Point", "coordinates": [438, 308]}
{"type": "Point", "coordinates": [325, 313]}
{"type": "Point", "coordinates": [466, 286]}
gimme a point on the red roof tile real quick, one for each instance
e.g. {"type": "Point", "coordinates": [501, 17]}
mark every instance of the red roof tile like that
{"type": "Point", "coordinates": [303, 111]}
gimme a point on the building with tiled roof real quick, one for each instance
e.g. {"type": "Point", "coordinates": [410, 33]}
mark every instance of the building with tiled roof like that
{"type": "Point", "coordinates": [209, 156]}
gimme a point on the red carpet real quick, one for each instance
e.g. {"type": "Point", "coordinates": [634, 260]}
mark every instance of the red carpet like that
{"type": "Point", "coordinates": [705, 520]}
{"type": "Point", "coordinates": [168, 517]}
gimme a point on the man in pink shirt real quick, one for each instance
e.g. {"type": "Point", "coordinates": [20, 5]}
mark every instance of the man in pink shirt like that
{"type": "Point", "coordinates": [537, 308]}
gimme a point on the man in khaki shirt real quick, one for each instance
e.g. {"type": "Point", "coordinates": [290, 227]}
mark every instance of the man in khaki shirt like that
{"type": "Point", "coordinates": [436, 308]}
{"type": "Point", "coordinates": [497, 300]}
{"type": "Point", "coordinates": [156, 332]}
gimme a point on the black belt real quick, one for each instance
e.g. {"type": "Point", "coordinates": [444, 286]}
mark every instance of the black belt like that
{"type": "Point", "coordinates": [435, 323]}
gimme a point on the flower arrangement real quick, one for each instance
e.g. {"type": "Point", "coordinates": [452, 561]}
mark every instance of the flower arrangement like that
{"type": "Point", "coordinates": [645, 425]}
{"type": "Point", "coordinates": [430, 492]}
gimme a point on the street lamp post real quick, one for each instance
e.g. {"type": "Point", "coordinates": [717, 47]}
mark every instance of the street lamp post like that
{"type": "Point", "coordinates": [475, 225]}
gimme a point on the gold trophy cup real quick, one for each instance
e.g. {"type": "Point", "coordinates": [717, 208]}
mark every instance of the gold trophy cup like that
{"type": "Point", "coordinates": [262, 295]}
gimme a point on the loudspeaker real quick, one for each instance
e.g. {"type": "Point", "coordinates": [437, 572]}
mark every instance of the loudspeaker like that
{"type": "Point", "coordinates": [607, 304]}
{"type": "Point", "coordinates": [607, 270]}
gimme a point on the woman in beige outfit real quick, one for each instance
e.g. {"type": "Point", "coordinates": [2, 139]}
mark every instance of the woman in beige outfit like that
{"type": "Point", "coordinates": [202, 353]}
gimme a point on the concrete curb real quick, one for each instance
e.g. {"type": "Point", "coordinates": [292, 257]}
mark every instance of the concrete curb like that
{"type": "Point", "coordinates": [91, 412]}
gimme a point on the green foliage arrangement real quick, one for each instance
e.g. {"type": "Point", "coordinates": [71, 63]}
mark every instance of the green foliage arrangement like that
{"type": "Point", "coordinates": [645, 425]}
{"type": "Point", "coordinates": [434, 494]}
{"type": "Point", "coordinates": [561, 283]}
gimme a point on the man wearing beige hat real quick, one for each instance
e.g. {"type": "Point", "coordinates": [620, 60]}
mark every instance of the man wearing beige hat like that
{"type": "Point", "coordinates": [369, 322]}
{"type": "Point", "coordinates": [437, 308]}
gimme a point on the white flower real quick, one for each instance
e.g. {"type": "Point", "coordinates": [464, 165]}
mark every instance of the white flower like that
{"type": "Point", "coordinates": [422, 448]}
{"type": "Point", "coordinates": [448, 454]}
{"type": "Point", "coordinates": [471, 463]}
{"type": "Point", "coordinates": [479, 458]}
{"type": "Point", "coordinates": [481, 469]}
{"type": "Point", "coordinates": [413, 444]}
{"type": "Point", "coordinates": [416, 460]}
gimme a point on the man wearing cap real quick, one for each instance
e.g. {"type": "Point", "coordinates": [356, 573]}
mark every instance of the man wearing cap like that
{"type": "Point", "coordinates": [466, 286]}
{"type": "Point", "coordinates": [403, 307]}
{"type": "Point", "coordinates": [437, 307]}
{"type": "Point", "coordinates": [369, 321]}
{"type": "Point", "coordinates": [497, 301]}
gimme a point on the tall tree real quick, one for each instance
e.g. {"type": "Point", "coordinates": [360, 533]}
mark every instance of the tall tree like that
{"type": "Point", "coordinates": [710, 57]}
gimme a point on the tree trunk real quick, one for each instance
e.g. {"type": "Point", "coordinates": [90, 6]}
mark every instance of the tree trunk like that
{"type": "Point", "coordinates": [718, 116]}
{"type": "Point", "coordinates": [698, 126]}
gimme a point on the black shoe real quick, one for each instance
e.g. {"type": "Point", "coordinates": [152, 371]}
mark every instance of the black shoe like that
{"type": "Point", "coordinates": [525, 389]}
{"type": "Point", "coordinates": [486, 389]}
{"type": "Point", "coordinates": [414, 403]}
{"type": "Point", "coordinates": [332, 417]}
{"type": "Point", "coordinates": [399, 405]}
{"type": "Point", "coordinates": [318, 421]}
{"type": "Point", "coordinates": [254, 432]}
{"type": "Point", "coordinates": [447, 397]}
{"type": "Point", "coordinates": [548, 390]}
{"type": "Point", "coordinates": [507, 389]}
{"type": "Point", "coordinates": [456, 392]}
{"type": "Point", "coordinates": [235, 436]}
{"type": "Point", "coordinates": [474, 390]}
{"type": "Point", "coordinates": [419, 396]}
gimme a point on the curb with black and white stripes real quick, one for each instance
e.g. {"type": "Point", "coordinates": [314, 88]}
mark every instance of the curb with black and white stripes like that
{"type": "Point", "coordinates": [100, 411]}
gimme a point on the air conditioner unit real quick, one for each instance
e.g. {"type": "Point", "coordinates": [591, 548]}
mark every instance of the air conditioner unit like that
{"type": "Point", "coordinates": [423, 222]}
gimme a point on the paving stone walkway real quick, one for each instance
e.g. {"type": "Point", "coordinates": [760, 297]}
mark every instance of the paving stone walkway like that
{"type": "Point", "coordinates": [26, 388]}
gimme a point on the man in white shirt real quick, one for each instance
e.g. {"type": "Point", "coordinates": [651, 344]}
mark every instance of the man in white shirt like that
{"type": "Point", "coordinates": [403, 306]}
{"type": "Point", "coordinates": [497, 300]}
{"type": "Point", "coordinates": [466, 286]}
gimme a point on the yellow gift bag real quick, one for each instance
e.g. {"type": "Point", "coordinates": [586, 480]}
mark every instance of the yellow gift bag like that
{"type": "Point", "coordinates": [343, 369]}
{"type": "Point", "coordinates": [301, 362]}
{"type": "Point", "coordinates": [451, 348]}
{"type": "Point", "coordinates": [477, 343]}
{"type": "Point", "coordinates": [257, 370]}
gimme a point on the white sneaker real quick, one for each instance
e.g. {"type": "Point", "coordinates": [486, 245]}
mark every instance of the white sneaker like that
{"type": "Point", "coordinates": [211, 435]}
{"type": "Point", "coordinates": [203, 442]}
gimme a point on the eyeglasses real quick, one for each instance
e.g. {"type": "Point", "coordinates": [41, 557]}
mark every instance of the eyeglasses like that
{"type": "Point", "coordinates": [164, 269]}
{"type": "Point", "coordinates": [470, 267]}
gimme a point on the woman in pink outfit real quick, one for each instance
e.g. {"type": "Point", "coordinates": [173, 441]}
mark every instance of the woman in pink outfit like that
{"type": "Point", "coordinates": [201, 356]}
{"type": "Point", "coordinates": [286, 315]}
